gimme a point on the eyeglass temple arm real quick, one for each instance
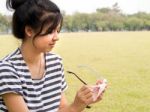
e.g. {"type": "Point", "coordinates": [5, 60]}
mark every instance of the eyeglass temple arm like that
{"type": "Point", "coordinates": [77, 77]}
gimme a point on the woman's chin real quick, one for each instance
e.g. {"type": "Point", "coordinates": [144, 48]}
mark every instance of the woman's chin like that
{"type": "Point", "coordinates": [49, 50]}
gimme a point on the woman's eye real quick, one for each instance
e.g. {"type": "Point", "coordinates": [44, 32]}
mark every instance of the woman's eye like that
{"type": "Point", "coordinates": [58, 31]}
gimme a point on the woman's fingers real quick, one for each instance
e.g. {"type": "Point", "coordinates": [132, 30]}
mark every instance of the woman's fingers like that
{"type": "Point", "coordinates": [99, 82]}
{"type": "Point", "coordinates": [89, 94]}
{"type": "Point", "coordinates": [86, 94]}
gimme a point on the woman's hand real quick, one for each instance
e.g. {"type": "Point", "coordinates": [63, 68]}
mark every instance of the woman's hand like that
{"type": "Point", "coordinates": [87, 95]}
{"type": "Point", "coordinates": [83, 98]}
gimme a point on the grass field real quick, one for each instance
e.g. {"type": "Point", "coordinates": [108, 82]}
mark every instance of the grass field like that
{"type": "Point", "coordinates": [123, 58]}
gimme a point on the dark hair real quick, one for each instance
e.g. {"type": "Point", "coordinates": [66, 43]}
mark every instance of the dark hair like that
{"type": "Point", "coordinates": [34, 13]}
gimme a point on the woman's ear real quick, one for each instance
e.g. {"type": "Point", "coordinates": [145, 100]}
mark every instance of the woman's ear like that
{"type": "Point", "coordinates": [28, 31]}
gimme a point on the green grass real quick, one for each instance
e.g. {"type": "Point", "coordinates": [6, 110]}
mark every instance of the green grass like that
{"type": "Point", "coordinates": [123, 58]}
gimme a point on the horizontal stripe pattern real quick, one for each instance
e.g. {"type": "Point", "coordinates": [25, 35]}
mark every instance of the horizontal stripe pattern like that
{"type": "Point", "coordinates": [41, 95]}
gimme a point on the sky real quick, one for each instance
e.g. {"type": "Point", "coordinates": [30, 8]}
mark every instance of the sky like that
{"type": "Point", "coordinates": [88, 6]}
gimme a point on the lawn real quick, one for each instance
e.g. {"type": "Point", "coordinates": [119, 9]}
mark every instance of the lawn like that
{"type": "Point", "coordinates": [120, 57]}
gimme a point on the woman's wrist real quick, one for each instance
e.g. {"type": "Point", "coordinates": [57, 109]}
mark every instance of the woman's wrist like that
{"type": "Point", "coordinates": [76, 108]}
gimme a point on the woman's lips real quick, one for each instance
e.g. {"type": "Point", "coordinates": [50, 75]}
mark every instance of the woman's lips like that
{"type": "Point", "coordinates": [52, 44]}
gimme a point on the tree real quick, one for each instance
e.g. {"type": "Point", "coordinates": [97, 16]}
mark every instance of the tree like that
{"type": "Point", "coordinates": [5, 23]}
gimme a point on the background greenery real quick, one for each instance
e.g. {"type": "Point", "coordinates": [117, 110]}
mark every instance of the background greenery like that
{"type": "Point", "coordinates": [120, 57]}
{"type": "Point", "coordinates": [103, 19]}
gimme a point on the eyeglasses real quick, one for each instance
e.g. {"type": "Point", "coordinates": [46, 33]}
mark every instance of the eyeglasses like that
{"type": "Point", "coordinates": [77, 77]}
{"type": "Point", "coordinates": [70, 72]}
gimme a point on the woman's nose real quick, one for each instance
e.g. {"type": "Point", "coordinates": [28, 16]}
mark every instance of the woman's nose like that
{"type": "Point", "coordinates": [55, 36]}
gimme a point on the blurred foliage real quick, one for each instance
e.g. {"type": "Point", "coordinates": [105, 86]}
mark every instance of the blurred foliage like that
{"type": "Point", "coordinates": [106, 19]}
{"type": "Point", "coordinates": [103, 19]}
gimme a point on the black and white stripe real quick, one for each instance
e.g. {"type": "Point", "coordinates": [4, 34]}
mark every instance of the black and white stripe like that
{"type": "Point", "coordinates": [40, 95]}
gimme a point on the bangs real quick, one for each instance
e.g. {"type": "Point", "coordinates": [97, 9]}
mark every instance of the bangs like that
{"type": "Point", "coordinates": [51, 23]}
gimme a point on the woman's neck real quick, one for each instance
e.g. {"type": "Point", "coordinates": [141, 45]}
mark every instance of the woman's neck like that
{"type": "Point", "coordinates": [30, 54]}
{"type": "Point", "coordinates": [34, 60]}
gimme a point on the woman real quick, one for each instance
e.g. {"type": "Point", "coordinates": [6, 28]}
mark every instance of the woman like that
{"type": "Point", "coordinates": [32, 78]}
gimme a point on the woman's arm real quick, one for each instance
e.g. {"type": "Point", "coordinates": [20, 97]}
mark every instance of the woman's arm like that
{"type": "Point", "coordinates": [64, 107]}
{"type": "Point", "coordinates": [15, 102]}
{"type": "Point", "coordinates": [63, 102]}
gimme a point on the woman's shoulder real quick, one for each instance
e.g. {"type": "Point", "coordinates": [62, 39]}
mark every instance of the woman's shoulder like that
{"type": "Point", "coordinates": [12, 56]}
{"type": "Point", "coordinates": [6, 67]}
{"type": "Point", "coordinates": [7, 62]}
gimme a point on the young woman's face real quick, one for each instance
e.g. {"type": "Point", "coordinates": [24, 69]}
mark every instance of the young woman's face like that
{"type": "Point", "coordinates": [47, 42]}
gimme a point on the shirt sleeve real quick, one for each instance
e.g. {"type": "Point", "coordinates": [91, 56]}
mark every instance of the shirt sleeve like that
{"type": "Point", "coordinates": [9, 80]}
{"type": "Point", "coordinates": [63, 81]}
{"type": "Point", "coordinates": [64, 84]}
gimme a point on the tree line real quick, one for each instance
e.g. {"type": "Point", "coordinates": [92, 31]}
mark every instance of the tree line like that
{"type": "Point", "coordinates": [106, 19]}
{"type": "Point", "coordinates": [103, 19]}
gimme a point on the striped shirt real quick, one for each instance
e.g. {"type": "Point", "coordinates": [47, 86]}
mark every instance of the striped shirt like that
{"type": "Point", "coordinates": [42, 95]}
